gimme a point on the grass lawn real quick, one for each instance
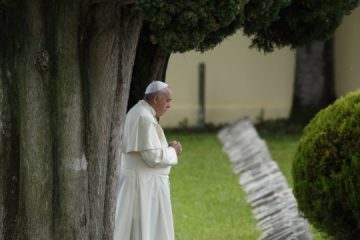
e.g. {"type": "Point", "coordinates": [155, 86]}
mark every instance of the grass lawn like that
{"type": "Point", "coordinates": [208, 202]}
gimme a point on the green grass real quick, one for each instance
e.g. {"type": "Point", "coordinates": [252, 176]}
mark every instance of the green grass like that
{"type": "Point", "coordinates": [208, 202]}
{"type": "Point", "coordinates": [282, 149]}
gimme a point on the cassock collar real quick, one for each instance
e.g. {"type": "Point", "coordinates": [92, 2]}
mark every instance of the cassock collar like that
{"type": "Point", "coordinates": [145, 103]}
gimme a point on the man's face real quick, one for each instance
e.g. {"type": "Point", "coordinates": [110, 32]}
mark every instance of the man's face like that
{"type": "Point", "coordinates": [162, 102]}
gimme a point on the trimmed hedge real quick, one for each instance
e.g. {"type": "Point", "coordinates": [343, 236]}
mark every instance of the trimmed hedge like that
{"type": "Point", "coordinates": [326, 169]}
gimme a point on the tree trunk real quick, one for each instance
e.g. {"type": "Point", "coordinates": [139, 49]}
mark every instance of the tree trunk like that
{"type": "Point", "coordinates": [71, 181]}
{"type": "Point", "coordinates": [150, 64]}
{"type": "Point", "coordinates": [66, 68]}
{"type": "Point", "coordinates": [314, 80]}
{"type": "Point", "coordinates": [36, 204]}
{"type": "Point", "coordinates": [112, 46]}
{"type": "Point", "coordinates": [9, 136]}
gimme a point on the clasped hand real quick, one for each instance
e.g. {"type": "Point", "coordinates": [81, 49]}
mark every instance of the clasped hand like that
{"type": "Point", "coordinates": [177, 146]}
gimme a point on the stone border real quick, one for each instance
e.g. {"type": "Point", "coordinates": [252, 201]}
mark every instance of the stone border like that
{"type": "Point", "coordinates": [273, 203]}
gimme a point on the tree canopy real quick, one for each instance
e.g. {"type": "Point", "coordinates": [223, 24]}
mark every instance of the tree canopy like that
{"type": "Point", "coordinates": [179, 26]}
{"type": "Point", "coordinates": [183, 25]}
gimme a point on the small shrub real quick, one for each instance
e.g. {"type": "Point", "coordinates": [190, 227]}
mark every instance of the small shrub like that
{"type": "Point", "coordinates": [326, 169]}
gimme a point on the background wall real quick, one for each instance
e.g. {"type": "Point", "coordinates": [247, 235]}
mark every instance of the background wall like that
{"type": "Point", "coordinates": [347, 54]}
{"type": "Point", "coordinates": [239, 82]}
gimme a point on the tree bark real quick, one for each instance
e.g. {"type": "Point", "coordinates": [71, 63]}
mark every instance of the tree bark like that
{"type": "Point", "coordinates": [130, 26]}
{"type": "Point", "coordinates": [63, 99]}
{"type": "Point", "coordinates": [314, 80]}
{"type": "Point", "coordinates": [150, 64]}
{"type": "Point", "coordinates": [36, 205]}
{"type": "Point", "coordinates": [113, 39]}
{"type": "Point", "coordinates": [4, 115]}
{"type": "Point", "coordinates": [71, 189]}
{"type": "Point", "coordinates": [9, 134]}
{"type": "Point", "coordinates": [102, 74]}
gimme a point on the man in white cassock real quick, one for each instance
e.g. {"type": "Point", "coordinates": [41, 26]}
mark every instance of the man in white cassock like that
{"type": "Point", "coordinates": [143, 208]}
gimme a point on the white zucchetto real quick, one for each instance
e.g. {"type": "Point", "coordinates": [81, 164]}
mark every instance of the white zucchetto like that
{"type": "Point", "coordinates": [155, 86]}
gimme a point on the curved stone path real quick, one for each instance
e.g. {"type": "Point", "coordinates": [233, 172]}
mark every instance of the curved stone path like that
{"type": "Point", "coordinates": [273, 204]}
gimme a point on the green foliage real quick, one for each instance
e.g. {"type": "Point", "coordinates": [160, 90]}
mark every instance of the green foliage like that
{"type": "Point", "coordinates": [326, 169]}
{"type": "Point", "coordinates": [215, 37]}
{"type": "Point", "coordinates": [179, 26]}
{"type": "Point", "coordinates": [183, 25]}
{"type": "Point", "coordinates": [260, 14]}
{"type": "Point", "coordinates": [299, 23]}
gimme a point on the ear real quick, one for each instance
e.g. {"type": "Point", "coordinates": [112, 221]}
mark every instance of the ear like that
{"type": "Point", "coordinates": [156, 98]}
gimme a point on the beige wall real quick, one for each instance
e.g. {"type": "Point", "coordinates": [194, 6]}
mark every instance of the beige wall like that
{"type": "Point", "coordinates": [347, 54]}
{"type": "Point", "coordinates": [239, 82]}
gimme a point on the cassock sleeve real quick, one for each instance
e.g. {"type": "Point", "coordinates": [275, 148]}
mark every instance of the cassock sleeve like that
{"type": "Point", "coordinates": [158, 158]}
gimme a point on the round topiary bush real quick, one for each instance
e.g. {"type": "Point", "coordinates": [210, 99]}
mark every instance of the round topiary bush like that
{"type": "Point", "coordinates": [326, 169]}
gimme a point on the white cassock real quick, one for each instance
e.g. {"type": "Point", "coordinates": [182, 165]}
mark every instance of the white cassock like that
{"type": "Point", "coordinates": [143, 209]}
